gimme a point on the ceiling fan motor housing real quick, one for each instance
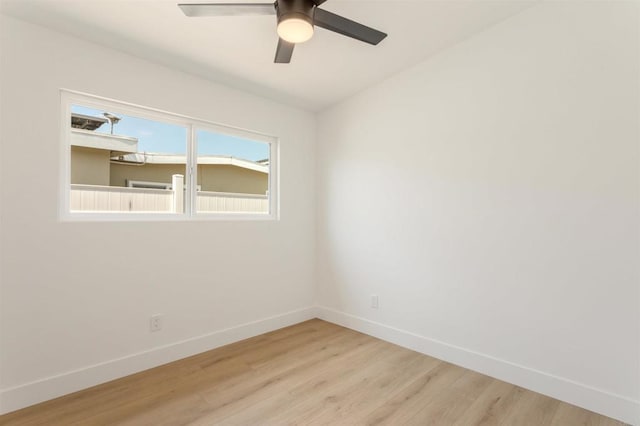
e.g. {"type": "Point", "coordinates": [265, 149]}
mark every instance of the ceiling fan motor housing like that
{"type": "Point", "coordinates": [299, 9]}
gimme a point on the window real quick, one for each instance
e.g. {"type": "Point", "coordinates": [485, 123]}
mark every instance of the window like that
{"type": "Point", "coordinates": [125, 161]}
{"type": "Point", "coordinates": [231, 172]}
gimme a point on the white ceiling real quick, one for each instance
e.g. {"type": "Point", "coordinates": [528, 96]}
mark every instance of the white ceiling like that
{"type": "Point", "coordinates": [239, 51]}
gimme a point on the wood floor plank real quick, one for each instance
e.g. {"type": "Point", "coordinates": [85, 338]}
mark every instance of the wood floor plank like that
{"type": "Point", "coordinates": [312, 373]}
{"type": "Point", "coordinates": [357, 402]}
{"type": "Point", "coordinates": [570, 415]}
{"type": "Point", "coordinates": [340, 393]}
{"type": "Point", "coordinates": [231, 404]}
{"type": "Point", "coordinates": [492, 405]}
{"type": "Point", "coordinates": [152, 400]}
{"type": "Point", "coordinates": [402, 406]}
{"type": "Point", "coordinates": [302, 399]}
{"type": "Point", "coordinates": [449, 405]}
{"type": "Point", "coordinates": [532, 409]}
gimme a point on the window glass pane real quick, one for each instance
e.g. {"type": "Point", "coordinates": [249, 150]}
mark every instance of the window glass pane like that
{"type": "Point", "coordinates": [232, 174]}
{"type": "Point", "coordinates": [121, 163]}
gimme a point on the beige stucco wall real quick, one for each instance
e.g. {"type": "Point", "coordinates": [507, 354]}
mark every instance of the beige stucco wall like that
{"type": "Point", "coordinates": [89, 166]}
{"type": "Point", "coordinates": [225, 178]}
{"type": "Point", "coordinates": [221, 178]}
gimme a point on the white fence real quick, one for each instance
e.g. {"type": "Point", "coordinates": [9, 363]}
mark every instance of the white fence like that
{"type": "Point", "coordinates": [93, 198]}
{"type": "Point", "coordinates": [229, 202]}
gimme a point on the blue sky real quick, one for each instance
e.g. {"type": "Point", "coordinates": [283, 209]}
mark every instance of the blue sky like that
{"type": "Point", "coordinates": [154, 136]}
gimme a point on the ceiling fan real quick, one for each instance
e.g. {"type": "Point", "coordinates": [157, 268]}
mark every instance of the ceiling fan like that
{"type": "Point", "coordinates": [296, 19]}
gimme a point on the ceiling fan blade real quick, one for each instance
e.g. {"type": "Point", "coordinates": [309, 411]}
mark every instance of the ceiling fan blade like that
{"type": "Point", "coordinates": [227, 9]}
{"type": "Point", "coordinates": [284, 52]}
{"type": "Point", "coordinates": [336, 23]}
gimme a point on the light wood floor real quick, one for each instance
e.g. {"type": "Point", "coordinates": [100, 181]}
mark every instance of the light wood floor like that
{"type": "Point", "coordinates": [310, 373]}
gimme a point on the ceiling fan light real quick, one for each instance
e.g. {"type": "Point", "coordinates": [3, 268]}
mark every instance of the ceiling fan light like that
{"type": "Point", "coordinates": [295, 30]}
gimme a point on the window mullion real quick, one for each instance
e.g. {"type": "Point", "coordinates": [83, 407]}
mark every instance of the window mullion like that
{"type": "Point", "coordinates": [191, 170]}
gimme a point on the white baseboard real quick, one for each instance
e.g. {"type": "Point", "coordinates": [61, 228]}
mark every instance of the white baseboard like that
{"type": "Point", "coordinates": [21, 396]}
{"type": "Point", "coordinates": [590, 398]}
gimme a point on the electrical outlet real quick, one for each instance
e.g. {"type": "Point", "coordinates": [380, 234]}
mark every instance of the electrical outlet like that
{"type": "Point", "coordinates": [155, 323]}
{"type": "Point", "coordinates": [374, 301]}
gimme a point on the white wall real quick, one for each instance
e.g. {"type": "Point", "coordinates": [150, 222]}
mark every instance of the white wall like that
{"type": "Point", "coordinates": [76, 297]}
{"type": "Point", "coordinates": [490, 197]}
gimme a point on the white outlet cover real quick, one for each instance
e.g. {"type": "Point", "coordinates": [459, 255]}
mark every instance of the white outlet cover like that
{"type": "Point", "coordinates": [155, 323]}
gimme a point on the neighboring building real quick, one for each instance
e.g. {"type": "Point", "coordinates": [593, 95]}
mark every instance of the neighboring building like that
{"type": "Point", "coordinates": [112, 160]}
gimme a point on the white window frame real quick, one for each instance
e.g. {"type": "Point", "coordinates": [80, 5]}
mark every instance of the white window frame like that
{"type": "Point", "coordinates": [70, 97]}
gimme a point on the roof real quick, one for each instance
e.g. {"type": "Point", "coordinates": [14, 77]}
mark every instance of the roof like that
{"type": "Point", "coordinates": [160, 158]}
{"type": "Point", "coordinates": [87, 122]}
{"type": "Point", "coordinates": [106, 141]}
